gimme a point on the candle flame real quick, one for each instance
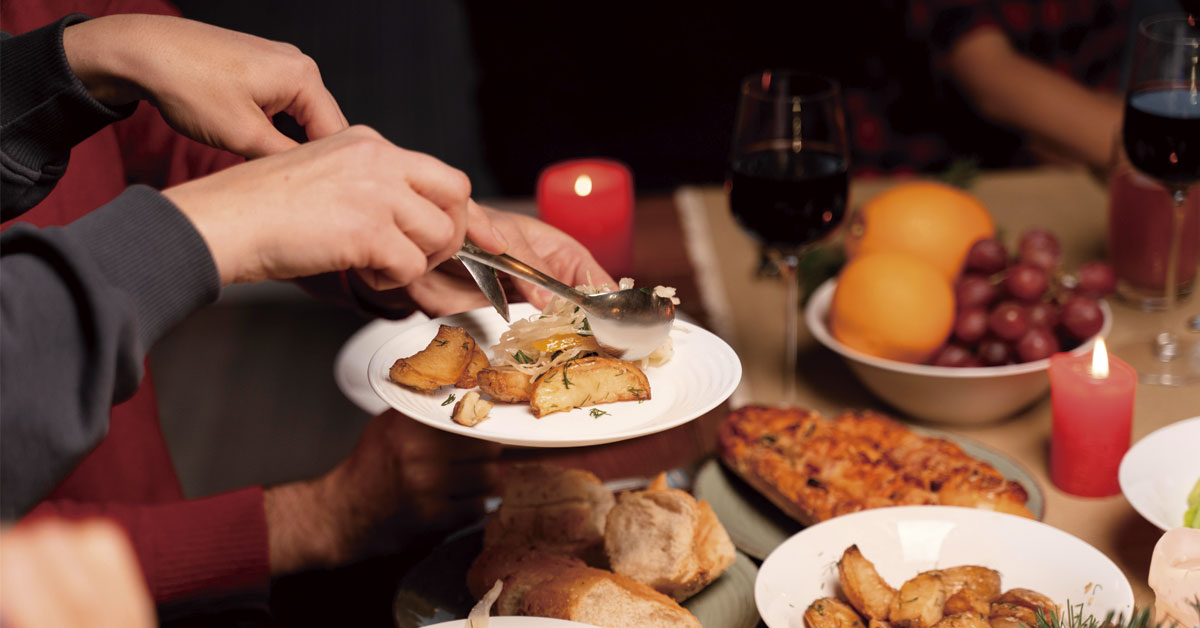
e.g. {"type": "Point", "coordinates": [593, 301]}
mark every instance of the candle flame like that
{"type": "Point", "coordinates": [1099, 359]}
{"type": "Point", "coordinates": [583, 185]}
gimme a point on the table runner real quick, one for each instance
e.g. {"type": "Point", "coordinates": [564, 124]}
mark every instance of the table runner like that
{"type": "Point", "coordinates": [748, 313]}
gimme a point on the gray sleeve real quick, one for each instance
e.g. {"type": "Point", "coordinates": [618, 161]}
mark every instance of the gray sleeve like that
{"type": "Point", "coordinates": [44, 111]}
{"type": "Point", "coordinates": [79, 307]}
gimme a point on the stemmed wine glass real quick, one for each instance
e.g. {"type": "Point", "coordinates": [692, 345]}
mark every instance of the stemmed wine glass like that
{"type": "Point", "coordinates": [788, 179]}
{"type": "Point", "coordinates": [1161, 136]}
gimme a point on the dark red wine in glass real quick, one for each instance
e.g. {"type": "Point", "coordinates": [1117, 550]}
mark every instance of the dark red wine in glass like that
{"type": "Point", "coordinates": [1162, 134]}
{"type": "Point", "coordinates": [788, 199]}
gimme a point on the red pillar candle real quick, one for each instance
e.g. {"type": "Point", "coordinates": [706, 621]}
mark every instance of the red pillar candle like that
{"type": "Point", "coordinates": [592, 200]}
{"type": "Point", "coordinates": [1092, 399]}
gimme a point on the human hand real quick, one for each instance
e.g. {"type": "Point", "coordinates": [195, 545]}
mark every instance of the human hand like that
{"type": "Point", "coordinates": [449, 289]}
{"type": "Point", "coordinates": [216, 86]}
{"type": "Point", "coordinates": [58, 573]}
{"type": "Point", "coordinates": [435, 479]}
{"type": "Point", "coordinates": [349, 201]}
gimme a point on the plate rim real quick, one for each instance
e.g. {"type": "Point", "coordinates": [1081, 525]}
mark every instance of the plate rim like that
{"type": "Point", "coordinates": [955, 513]}
{"type": "Point", "coordinates": [1125, 469]}
{"type": "Point", "coordinates": [724, 353]}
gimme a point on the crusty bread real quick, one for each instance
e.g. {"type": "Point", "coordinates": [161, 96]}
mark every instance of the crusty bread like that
{"type": "Point", "coordinates": [547, 506]}
{"type": "Point", "coordinates": [668, 540]}
{"type": "Point", "coordinates": [520, 567]}
{"type": "Point", "coordinates": [602, 598]}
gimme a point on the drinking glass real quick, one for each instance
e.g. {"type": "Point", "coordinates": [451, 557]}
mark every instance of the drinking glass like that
{"type": "Point", "coordinates": [1161, 136]}
{"type": "Point", "coordinates": [788, 178]}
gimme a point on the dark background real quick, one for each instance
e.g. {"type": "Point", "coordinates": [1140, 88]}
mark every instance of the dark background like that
{"type": "Point", "coordinates": [501, 89]}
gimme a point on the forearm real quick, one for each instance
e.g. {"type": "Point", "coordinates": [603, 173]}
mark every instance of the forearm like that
{"type": "Point", "coordinates": [1017, 91]}
{"type": "Point", "coordinates": [82, 304]}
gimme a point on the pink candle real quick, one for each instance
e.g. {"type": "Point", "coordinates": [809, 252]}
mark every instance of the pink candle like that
{"type": "Point", "coordinates": [592, 200]}
{"type": "Point", "coordinates": [1092, 399]}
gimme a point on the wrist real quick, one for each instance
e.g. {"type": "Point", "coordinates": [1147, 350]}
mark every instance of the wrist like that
{"type": "Point", "coordinates": [301, 527]}
{"type": "Point", "coordinates": [97, 53]}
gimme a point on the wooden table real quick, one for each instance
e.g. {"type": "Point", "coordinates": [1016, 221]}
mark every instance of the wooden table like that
{"type": "Point", "coordinates": [747, 313]}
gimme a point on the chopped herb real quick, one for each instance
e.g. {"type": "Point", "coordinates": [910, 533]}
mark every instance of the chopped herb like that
{"type": "Point", "coordinates": [597, 413]}
{"type": "Point", "coordinates": [911, 601]}
{"type": "Point", "coordinates": [586, 325]}
{"type": "Point", "coordinates": [645, 289]}
{"type": "Point", "coordinates": [566, 382]}
{"type": "Point", "coordinates": [769, 439]}
{"type": "Point", "coordinates": [585, 400]}
{"type": "Point", "coordinates": [521, 358]}
{"type": "Point", "coordinates": [440, 343]}
{"type": "Point", "coordinates": [449, 400]}
{"type": "Point", "coordinates": [636, 392]}
{"type": "Point", "coordinates": [556, 354]}
{"type": "Point", "coordinates": [576, 308]}
{"type": "Point", "coordinates": [811, 426]}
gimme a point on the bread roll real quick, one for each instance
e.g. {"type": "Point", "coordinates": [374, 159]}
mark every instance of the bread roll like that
{"type": "Point", "coordinates": [668, 540]}
{"type": "Point", "coordinates": [602, 598]}
{"type": "Point", "coordinates": [521, 568]}
{"type": "Point", "coordinates": [546, 506]}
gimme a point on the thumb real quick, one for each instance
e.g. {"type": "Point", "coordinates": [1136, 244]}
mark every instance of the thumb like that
{"type": "Point", "coordinates": [261, 139]}
{"type": "Point", "coordinates": [482, 231]}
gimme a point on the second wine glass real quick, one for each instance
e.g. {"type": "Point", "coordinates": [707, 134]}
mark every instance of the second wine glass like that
{"type": "Point", "coordinates": [788, 181]}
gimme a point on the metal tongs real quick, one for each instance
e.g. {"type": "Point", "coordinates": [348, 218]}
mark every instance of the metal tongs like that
{"type": "Point", "coordinates": [629, 324]}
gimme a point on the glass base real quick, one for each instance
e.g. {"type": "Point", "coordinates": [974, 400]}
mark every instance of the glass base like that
{"type": "Point", "coordinates": [1150, 299]}
{"type": "Point", "coordinates": [1159, 364]}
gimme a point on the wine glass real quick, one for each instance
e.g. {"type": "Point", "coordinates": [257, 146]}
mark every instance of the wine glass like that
{"type": "Point", "coordinates": [788, 179]}
{"type": "Point", "coordinates": [1161, 136]}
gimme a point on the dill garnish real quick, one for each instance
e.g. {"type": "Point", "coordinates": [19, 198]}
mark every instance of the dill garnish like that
{"type": "Point", "coordinates": [449, 400]}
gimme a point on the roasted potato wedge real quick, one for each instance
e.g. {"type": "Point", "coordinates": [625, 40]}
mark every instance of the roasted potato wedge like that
{"type": "Point", "coordinates": [470, 410]}
{"type": "Point", "coordinates": [1009, 615]}
{"type": "Point", "coordinates": [963, 620]}
{"type": "Point", "coordinates": [587, 382]}
{"type": "Point", "coordinates": [439, 364]}
{"type": "Point", "coordinates": [864, 588]}
{"type": "Point", "coordinates": [1030, 599]}
{"type": "Point", "coordinates": [505, 383]}
{"type": "Point", "coordinates": [970, 589]}
{"type": "Point", "coordinates": [919, 602]}
{"type": "Point", "coordinates": [828, 612]}
{"type": "Point", "coordinates": [470, 375]}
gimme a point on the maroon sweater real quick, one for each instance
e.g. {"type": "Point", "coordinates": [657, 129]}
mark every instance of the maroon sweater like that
{"type": "Point", "coordinates": [187, 548]}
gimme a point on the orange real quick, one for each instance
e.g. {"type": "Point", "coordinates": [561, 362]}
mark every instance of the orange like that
{"type": "Point", "coordinates": [892, 305]}
{"type": "Point", "coordinates": [935, 221]}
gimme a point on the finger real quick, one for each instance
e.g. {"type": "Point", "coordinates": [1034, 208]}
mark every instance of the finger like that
{"type": "Point", "coordinates": [458, 217]}
{"type": "Point", "coordinates": [483, 232]}
{"type": "Point", "coordinates": [317, 111]}
{"type": "Point", "coordinates": [426, 224]}
{"type": "Point", "coordinates": [443, 185]}
{"type": "Point", "coordinates": [396, 260]}
{"type": "Point", "coordinates": [258, 137]}
{"type": "Point", "coordinates": [440, 294]}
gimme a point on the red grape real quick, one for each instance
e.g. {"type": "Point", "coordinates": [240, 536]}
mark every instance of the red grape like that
{"type": "Point", "coordinates": [972, 291]}
{"type": "Point", "coordinates": [1096, 278]}
{"type": "Point", "coordinates": [986, 256]}
{"type": "Point", "coordinates": [1038, 343]}
{"type": "Point", "coordinates": [971, 325]}
{"type": "Point", "coordinates": [1009, 321]}
{"type": "Point", "coordinates": [1026, 281]}
{"type": "Point", "coordinates": [1043, 314]}
{"type": "Point", "coordinates": [1040, 248]}
{"type": "Point", "coordinates": [1082, 317]}
{"type": "Point", "coordinates": [954, 355]}
{"type": "Point", "coordinates": [994, 352]}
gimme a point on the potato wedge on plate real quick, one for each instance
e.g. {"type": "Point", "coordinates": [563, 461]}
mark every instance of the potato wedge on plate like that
{"type": "Point", "coordinates": [505, 383]}
{"type": "Point", "coordinates": [441, 363]}
{"type": "Point", "coordinates": [587, 382]}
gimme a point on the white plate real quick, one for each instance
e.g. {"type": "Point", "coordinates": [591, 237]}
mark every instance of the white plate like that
{"type": "Point", "coordinates": [1159, 471]}
{"type": "Point", "coordinates": [905, 540]}
{"type": "Point", "coordinates": [517, 622]}
{"type": "Point", "coordinates": [702, 374]}
{"type": "Point", "coordinates": [350, 365]}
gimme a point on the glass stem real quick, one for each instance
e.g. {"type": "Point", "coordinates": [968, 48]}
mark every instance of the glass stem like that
{"type": "Point", "coordinates": [789, 271]}
{"type": "Point", "coordinates": [1166, 343]}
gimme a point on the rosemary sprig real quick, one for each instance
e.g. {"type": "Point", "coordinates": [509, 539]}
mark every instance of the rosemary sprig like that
{"type": "Point", "coordinates": [1143, 618]}
{"type": "Point", "coordinates": [521, 358]}
{"type": "Point", "coordinates": [597, 413]}
{"type": "Point", "coordinates": [449, 400]}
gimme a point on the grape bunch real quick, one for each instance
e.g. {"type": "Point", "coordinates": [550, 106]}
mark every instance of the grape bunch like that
{"type": "Point", "coordinates": [1025, 307]}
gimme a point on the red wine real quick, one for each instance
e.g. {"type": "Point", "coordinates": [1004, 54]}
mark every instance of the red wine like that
{"type": "Point", "coordinates": [1162, 134]}
{"type": "Point", "coordinates": [786, 199]}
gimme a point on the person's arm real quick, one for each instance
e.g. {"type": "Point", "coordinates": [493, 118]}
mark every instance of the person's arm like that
{"type": "Point", "coordinates": [1017, 91]}
{"type": "Point", "coordinates": [44, 111]}
{"type": "Point", "coordinates": [81, 306]}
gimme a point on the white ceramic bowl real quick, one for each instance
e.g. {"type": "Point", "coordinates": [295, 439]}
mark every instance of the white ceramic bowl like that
{"type": "Point", "coordinates": [1159, 471]}
{"type": "Point", "coordinates": [902, 541]}
{"type": "Point", "coordinates": [941, 393]}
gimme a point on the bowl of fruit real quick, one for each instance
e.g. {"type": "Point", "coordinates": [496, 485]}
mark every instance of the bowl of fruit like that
{"type": "Point", "coordinates": [968, 349]}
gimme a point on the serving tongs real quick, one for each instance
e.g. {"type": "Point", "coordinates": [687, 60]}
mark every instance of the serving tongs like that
{"type": "Point", "coordinates": [629, 324]}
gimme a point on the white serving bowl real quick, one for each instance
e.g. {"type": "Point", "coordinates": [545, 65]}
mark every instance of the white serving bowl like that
{"type": "Point", "coordinates": [1159, 471]}
{"type": "Point", "coordinates": [903, 541]}
{"type": "Point", "coordinates": [943, 394]}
